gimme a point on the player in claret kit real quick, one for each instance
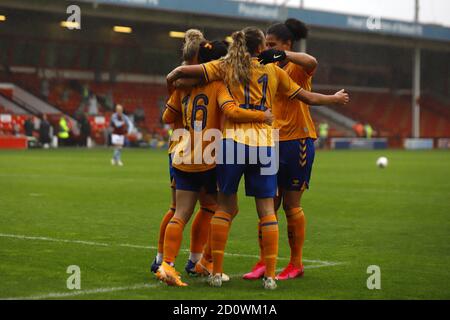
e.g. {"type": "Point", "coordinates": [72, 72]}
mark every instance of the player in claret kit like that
{"type": "Point", "coordinates": [121, 126]}
{"type": "Point", "coordinates": [296, 147]}
{"type": "Point", "coordinates": [253, 86]}
{"type": "Point", "coordinates": [201, 108]}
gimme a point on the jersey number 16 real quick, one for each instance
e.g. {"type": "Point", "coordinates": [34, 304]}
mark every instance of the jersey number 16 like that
{"type": "Point", "coordinates": [196, 107]}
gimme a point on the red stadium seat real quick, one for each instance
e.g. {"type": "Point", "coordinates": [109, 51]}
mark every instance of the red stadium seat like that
{"type": "Point", "coordinates": [391, 114]}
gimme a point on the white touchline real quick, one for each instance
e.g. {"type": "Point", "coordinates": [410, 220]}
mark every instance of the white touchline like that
{"type": "Point", "coordinates": [96, 290]}
{"type": "Point", "coordinates": [102, 244]}
{"type": "Point", "coordinates": [17, 236]}
{"type": "Point", "coordinates": [57, 295]}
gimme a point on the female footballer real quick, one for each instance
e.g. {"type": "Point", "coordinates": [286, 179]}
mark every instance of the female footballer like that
{"type": "Point", "coordinates": [296, 147]}
{"type": "Point", "coordinates": [192, 40]}
{"type": "Point", "coordinates": [200, 108]}
{"type": "Point", "coordinates": [253, 86]}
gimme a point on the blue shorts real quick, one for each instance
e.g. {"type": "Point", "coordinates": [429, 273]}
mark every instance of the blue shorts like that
{"type": "Point", "coordinates": [171, 172]}
{"type": "Point", "coordinates": [296, 161]}
{"type": "Point", "coordinates": [260, 179]}
{"type": "Point", "coordinates": [196, 181]}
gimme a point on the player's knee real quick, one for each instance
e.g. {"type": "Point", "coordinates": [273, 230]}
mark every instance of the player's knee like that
{"type": "Point", "coordinates": [265, 213]}
{"type": "Point", "coordinates": [208, 202]}
{"type": "Point", "coordinates": [265, 207]}
{"type": "Point", "coordinates": [287, 207]}
{"type": "Point", "coordinates": [183, 214]}
{"type": "Point", "coordinates": [228, 203]}
{"type": "Point", "coordinates": [291, 200]}
{"type": "Point", "coordinates": [277, 203]}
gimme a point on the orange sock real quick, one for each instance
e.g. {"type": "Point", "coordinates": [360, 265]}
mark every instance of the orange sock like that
{"type": "Point", "coordinates": [162, 227]}
{"type": "Point", "coordinates": [296, 233]}
{"type": "Point", "coordinates": [261, 254]}
{"type": "Point", "coordinates": [207, 255]}
{"type": "Point", "coordinates": [172, 240]}
{"type": "Point", "coordinates": [200, 228]}
{"type": "Point", "coordinates": [269, 232]}
{"type": "Point", "coordinates": [220, 227]}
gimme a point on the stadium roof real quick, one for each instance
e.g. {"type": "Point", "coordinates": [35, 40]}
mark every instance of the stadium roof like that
{"type": "Point", "coordinates": [254, 11]}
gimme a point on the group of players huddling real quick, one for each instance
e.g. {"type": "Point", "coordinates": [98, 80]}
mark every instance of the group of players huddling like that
{"type": "Point", "coordinates": [256, 84]}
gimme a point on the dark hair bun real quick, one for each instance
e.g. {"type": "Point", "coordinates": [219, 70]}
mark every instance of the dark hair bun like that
{"type": "Point", "coordinates": [299, 29]}
{"type": "Point", "coordinates": [212, 50]}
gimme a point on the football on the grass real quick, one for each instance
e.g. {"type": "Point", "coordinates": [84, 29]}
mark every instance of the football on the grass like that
{"type": "Point", "coordinates": [382, 162]}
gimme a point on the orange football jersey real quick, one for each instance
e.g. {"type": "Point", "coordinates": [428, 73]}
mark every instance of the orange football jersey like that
{"type": "Point", "coordinates": [260, 94]}
{"type": "Point", "coordinates": [292, 117]}
{"type": "Point", "coordinates": [200, 109]}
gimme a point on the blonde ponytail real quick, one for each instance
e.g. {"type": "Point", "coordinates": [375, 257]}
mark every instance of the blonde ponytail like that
{"type": "Point", "coordinates": [192, 40]}
{"type": "Point", "coordinates": [237, 63]}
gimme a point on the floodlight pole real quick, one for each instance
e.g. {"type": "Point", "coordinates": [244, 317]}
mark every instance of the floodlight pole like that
{"type": "Point", "coordinates": [416, 80]}
{"type": "Point", "coordinates": [302, 44]}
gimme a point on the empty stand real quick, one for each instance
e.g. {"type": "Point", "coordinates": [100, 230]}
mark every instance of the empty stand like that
{"type": "Point", "coordinates": [390, 114]}
{"type": "Point", "coordinates": [66, 96]}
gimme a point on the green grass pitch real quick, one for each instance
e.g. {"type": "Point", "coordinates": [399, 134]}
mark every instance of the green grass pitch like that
{"type": "Point", "coordinates": [71, 207]}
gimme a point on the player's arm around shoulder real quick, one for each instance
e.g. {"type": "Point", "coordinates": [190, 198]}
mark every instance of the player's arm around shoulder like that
{"type": "Point", "coordinates": [307, 62]}
{"type": "Point", "coordinates": [290, 88]}
{"type": "Point", "coordinates": [286, 85]}
{"type": "Point", "coordinates": [208, 72]}
{"type": "Point", "coordinates": [232, 111]}
{"type": "Point", "coordinates": [187, 71]}
{"type": "Point", "coordinates": [188, 83]}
